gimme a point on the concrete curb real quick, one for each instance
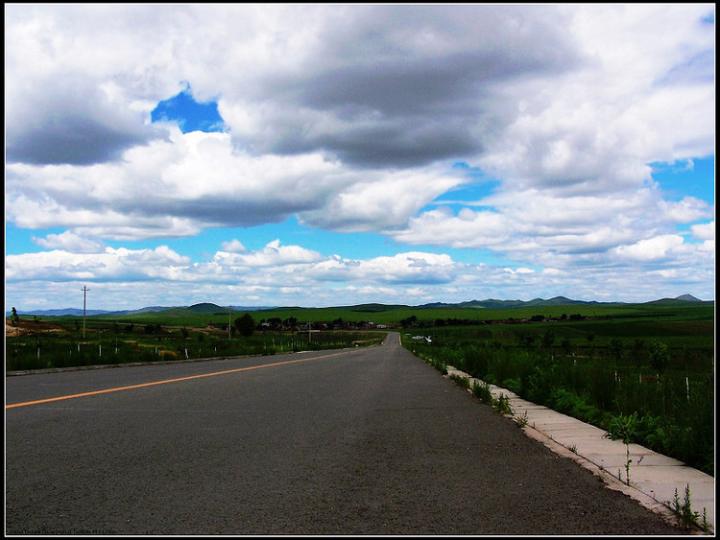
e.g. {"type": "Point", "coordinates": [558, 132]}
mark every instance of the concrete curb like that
{"type": "Point", "coordinates": [652, 483]}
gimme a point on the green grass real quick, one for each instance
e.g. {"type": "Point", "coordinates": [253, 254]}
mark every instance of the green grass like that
{"type": "Point", "coordinates": [606, 320]}
{"type": "Point", "coordinates": [105, 347]}
{"type": "Point", "coordinates": [393, 315]}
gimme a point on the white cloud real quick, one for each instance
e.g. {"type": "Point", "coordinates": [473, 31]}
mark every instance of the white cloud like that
{"type": "Point", "coordinates": [536, 225]}
{"type": "Point", "coordinates": [293, 275]}
{"type": "Point", "coordinates": [273, 254]}
{"type": "Point", "coordinates": [521, 270]}
{"type": "Point", "coordinates": [688, 209]}
{"type": "Point", "coordinates": [233, 246]}
{"type": "Point", "coordinates": [384, 204]}
{"type": "Point", "coordinates": [651, 248]}
{"type": "Point", "coordinates": [595, 129]}
{"type": "Point", "coordinates": [704, 231]}
{"type": "Point", "coordinates": [467, 229]}
{"type": "Point", "coordinates": [69, 241]}
{"type": "Point", "coordinates": [178, 186]}
{"type": "Point", "coordinates": [402, 268]}
{"type": "Point", "coordinates": [112, 264]}
{"type": "Point", "coordinates": [272, 266]}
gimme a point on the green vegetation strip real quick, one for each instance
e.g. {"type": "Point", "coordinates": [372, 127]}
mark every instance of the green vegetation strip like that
{"type": "Point", "coordinates": [67, 349]}
{"type": "Point", "coordinates": [622, 371]}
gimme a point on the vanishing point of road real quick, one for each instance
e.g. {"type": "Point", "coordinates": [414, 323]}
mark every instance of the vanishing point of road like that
{"type": "Point", "coordinates": [361, 441]}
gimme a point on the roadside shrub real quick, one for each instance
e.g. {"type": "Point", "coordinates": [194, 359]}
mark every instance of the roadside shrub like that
{"type": "Point", "coordinates": [502, 404]}
{"type": "Point", "coordinates": [461, 381]}
{"type": "Point", "coordinates": [481, 390]}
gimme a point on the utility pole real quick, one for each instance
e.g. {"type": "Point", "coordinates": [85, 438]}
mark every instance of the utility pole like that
{"type": "Point", "coordinates": [84, 290]}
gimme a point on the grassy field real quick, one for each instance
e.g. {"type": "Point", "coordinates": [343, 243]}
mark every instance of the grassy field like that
{"type": "Point", "coordinates": [58, 345]}
{"type": "Point", "coordinates": [186, 317]}
{"type": "Point", "coordinates": [655, 366]}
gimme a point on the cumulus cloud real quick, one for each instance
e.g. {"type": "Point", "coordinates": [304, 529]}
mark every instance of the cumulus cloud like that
{"type": "Point", "coordinates": [233, 246]}
{"type": "Point", "coordinates": [383, 204]}
{"type": "Point", "coordinates": [69, 241]}
{"type": "Point", "coordinates": [402, 268]}
{"type": "Point", "coordinates": [595, 129]}
{"type": "Point", "coordinates": [76, 123]}
{"type": "Point", "coordinates": [111, 265]}
{"type": "Point", "coordinates": [372, 85]}
{"type": "Point", "coordinates": [466, 229]}
{"type": "Point", "coordinates": [538, 225]}
{"type": "Point", "coordinates": [392, 86]}
{"type": "Point", "coordinates": [274, 265]}
{"type": "Point", "coordinates": [686, 210]}
{"type": "Point", "coordinates": [293, 275]}
{"type": "Point", "coordinates": [651, 248]}
{"type": "Point", "coordinates": [704, 231]}
{"type": "Point", "coordinates": [273, 254]}
{"type": "Point", "coordinates": [176, 187]}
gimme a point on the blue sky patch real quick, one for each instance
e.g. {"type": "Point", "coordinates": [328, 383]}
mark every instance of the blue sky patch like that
{"type": "Point", "coordinates": [190, 115]}
{"type": "Point", "coordinates": [694, 178]}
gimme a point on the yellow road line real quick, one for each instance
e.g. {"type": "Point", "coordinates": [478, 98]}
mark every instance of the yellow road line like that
{"type": "Point", "coordinates": [164, 381]}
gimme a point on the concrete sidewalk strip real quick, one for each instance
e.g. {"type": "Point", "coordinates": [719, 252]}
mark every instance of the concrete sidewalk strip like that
{"type": "Point", "coordinates": [653, 477]}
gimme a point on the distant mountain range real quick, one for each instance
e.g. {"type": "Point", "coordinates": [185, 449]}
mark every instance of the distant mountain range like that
{"type": "Point", "coordinates": [196, 308]}
{"type": "Point", "coordinates": [490, 303]}
{"type": "Point", "coordinates": [499, 304]}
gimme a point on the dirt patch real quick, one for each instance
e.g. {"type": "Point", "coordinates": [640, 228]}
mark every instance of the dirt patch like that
{"type": "Point", "coordinates": [13, 331]}
{"type": "Point", "coordinates": [30, 327]}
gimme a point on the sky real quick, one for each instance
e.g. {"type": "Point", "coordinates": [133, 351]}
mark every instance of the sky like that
{"type": "Point", "coordinates": [319, 155]}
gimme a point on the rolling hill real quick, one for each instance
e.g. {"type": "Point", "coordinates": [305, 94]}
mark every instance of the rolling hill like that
{"type": "Point", "coordinates": [208, 308]}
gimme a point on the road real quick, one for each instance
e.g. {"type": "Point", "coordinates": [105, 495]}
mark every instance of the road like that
{"type": "Point", "coordinates": [363, 441]}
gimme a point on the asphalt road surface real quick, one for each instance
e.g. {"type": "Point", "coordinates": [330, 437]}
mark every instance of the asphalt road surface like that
{"type": "Point", "coordinates": [363, 441]}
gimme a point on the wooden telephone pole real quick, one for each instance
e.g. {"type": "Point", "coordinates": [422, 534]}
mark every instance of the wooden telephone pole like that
{"type": "Point", "coordinates": [84, 290]}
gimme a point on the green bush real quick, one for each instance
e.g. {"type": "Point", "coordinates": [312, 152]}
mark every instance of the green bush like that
{"type": "Point", "coordinates": [481, 390]}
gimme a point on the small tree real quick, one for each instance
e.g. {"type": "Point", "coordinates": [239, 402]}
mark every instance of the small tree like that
{"type": "Point", "coordinates": [245, 325]}
{"type": "Point", "coordinates": [14, 318]}
{"type": "Point", "coordinates": [659, 356]}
